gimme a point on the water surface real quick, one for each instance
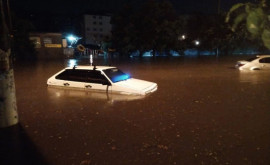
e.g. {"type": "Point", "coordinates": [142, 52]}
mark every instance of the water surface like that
{"type": "Point", "coordinates": [204, 112]}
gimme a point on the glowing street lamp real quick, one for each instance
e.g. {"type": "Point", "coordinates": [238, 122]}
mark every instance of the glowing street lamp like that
{"type": "Point", "coordinates": [197, 42]}
{"type": "Point", "coordinates": [182, 37]}
{"type": "Point", "coordinates": [72, 39]}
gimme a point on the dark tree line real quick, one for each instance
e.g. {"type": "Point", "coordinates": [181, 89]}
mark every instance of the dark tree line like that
{"type": "Point", "coordinates": [23, 48]}
{"type": "Point", "coordinates": [156, 26]}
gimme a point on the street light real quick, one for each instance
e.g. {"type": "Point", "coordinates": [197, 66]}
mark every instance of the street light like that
{"type": "Point", "coordinates": [72, 39]}
{"type": "Point", "coordinates": [197, 42]}
{"type": "Point", "coordinates": [182, 37]}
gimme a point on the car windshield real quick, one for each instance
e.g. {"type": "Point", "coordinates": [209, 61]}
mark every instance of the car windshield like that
{"type": "Point", "coordinates": [116, 75]}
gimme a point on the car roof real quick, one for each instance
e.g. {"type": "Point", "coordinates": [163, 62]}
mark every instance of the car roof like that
{"type": "Point", "coordinates": [263, 56]}
{"type": "Point", "coordinates": [88, 67]}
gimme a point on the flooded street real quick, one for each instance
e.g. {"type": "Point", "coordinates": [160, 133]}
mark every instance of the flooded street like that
{"type": "Point", "coordinates": [204, 112]}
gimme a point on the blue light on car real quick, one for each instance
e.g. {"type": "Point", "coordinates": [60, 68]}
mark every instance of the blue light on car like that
{"type": "Point", "coordinates": [120, 77]}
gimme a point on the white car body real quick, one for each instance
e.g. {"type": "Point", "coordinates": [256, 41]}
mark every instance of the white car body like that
{"type": "Point", "coordinates": [260, 62]}
{"type": "Point", "coordinates": [101, 78]}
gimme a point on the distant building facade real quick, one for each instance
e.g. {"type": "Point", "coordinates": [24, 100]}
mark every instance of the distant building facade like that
{"type": "Point", "coordinates": [96, 28]}
{"type": "Point", "coordinates": [48, 45]}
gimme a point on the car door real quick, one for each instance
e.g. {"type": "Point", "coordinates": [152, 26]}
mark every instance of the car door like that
{"type": "Point", "coordinates": [71, 78]}
{"type": "Point", "coordinates": [97, 81]}
{"type": "Point", "coordinates": [265, 63]}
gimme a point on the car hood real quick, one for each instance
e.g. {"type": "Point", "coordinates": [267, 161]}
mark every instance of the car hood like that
{"type": "Point", "coordinates": [135, 84]}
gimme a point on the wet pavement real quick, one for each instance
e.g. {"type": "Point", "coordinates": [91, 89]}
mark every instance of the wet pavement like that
{"type": "Point", "coordinates": [204, 112]}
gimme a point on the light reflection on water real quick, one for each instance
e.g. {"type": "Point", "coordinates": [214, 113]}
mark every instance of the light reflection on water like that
{"type": "Point", "coordinates": [61, 93]}
{"type": "Point", "coordinates": [197, 99]}
{"type": "Point", "coordinates": [254, 76]}
{"type": "Point", "coordinates": [86, 61]}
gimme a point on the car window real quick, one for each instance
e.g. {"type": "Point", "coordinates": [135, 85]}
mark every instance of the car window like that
{"type": "Point", "coordinates": [81, 75]}
{"type": "Point", "coordinates": [63, 75]}
{"type": "Point", "coordinates": [116, 75]}
{"type": "Point", "coordinates": [96, 77]}
{"type": "Point", "coordinates": [265, 60]}
{"type": "Point", "coordinates": [72, 75]}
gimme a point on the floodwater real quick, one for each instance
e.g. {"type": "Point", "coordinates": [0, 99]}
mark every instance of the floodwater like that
{"type": "Point", "coordinates": [204, 112]}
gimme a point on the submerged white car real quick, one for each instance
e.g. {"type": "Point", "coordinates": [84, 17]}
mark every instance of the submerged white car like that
{"type": "Point", "coordinates": [101, 78]}
{"type": "Point", "coordinates": [257, 63]}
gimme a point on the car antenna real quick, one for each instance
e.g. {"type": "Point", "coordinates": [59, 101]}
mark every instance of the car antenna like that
{"type": "Point", "coordinates": [95, 67]}
{"type": "Point", "coordinates": [74, 67]}
{"type": "Point", "coordinates": [91, 59]}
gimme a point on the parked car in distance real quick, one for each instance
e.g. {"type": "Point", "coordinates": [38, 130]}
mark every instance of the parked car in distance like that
{"type": "Point", "coordinates": [256, 63]}
{"type": "Point", "coordinates": [101, 78]}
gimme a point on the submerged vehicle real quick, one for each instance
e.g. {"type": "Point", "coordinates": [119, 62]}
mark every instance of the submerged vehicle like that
{"type": "Point", "coordinates": [111, 98]}
{"type": "Point", "coordinates": [101, 78]}
{"type": "Point", "coordinates": [257, 63]}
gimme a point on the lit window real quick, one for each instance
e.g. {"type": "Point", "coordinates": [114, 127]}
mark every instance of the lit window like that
{"type": "Point", "coordinates": [47, 41]}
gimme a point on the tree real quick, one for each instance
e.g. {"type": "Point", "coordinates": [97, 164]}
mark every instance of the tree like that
{"type": "Point", "coordinates": [157, 26]}
{"type": "Point", "coordinates": [255, 17]}
{"type": "Point", "coordinates": [24, 49]}
{"type": "Point", "coordinates": [8, 106]}
{"type": "Point", "coordinates": [154, 26]}
{"type": "Point", "coordinates": [212, 32]}
{"type": "Point", "coordinates": [123, 32]}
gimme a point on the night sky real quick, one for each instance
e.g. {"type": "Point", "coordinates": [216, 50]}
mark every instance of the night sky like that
{"type": "Point", "coordinates": [63, 15]}
{"type": "Point", "coordinates": [88, 6]}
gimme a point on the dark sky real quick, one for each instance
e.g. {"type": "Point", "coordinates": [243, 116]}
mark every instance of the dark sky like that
{"type": "Point", "coordinates": [81, 6]}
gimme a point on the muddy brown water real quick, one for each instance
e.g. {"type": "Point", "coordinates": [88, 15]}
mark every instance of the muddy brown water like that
{"type": "Point", "coordinates": [204, 112]}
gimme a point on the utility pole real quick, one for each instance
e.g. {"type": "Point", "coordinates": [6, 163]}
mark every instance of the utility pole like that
{"type": "Point", "coordinates": [8, 105]}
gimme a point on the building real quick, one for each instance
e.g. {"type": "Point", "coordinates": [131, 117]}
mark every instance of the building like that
{"type": "Point", "coordinates": [96, 29]}
{"type": "Point", "coordinates": [49, 45]}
